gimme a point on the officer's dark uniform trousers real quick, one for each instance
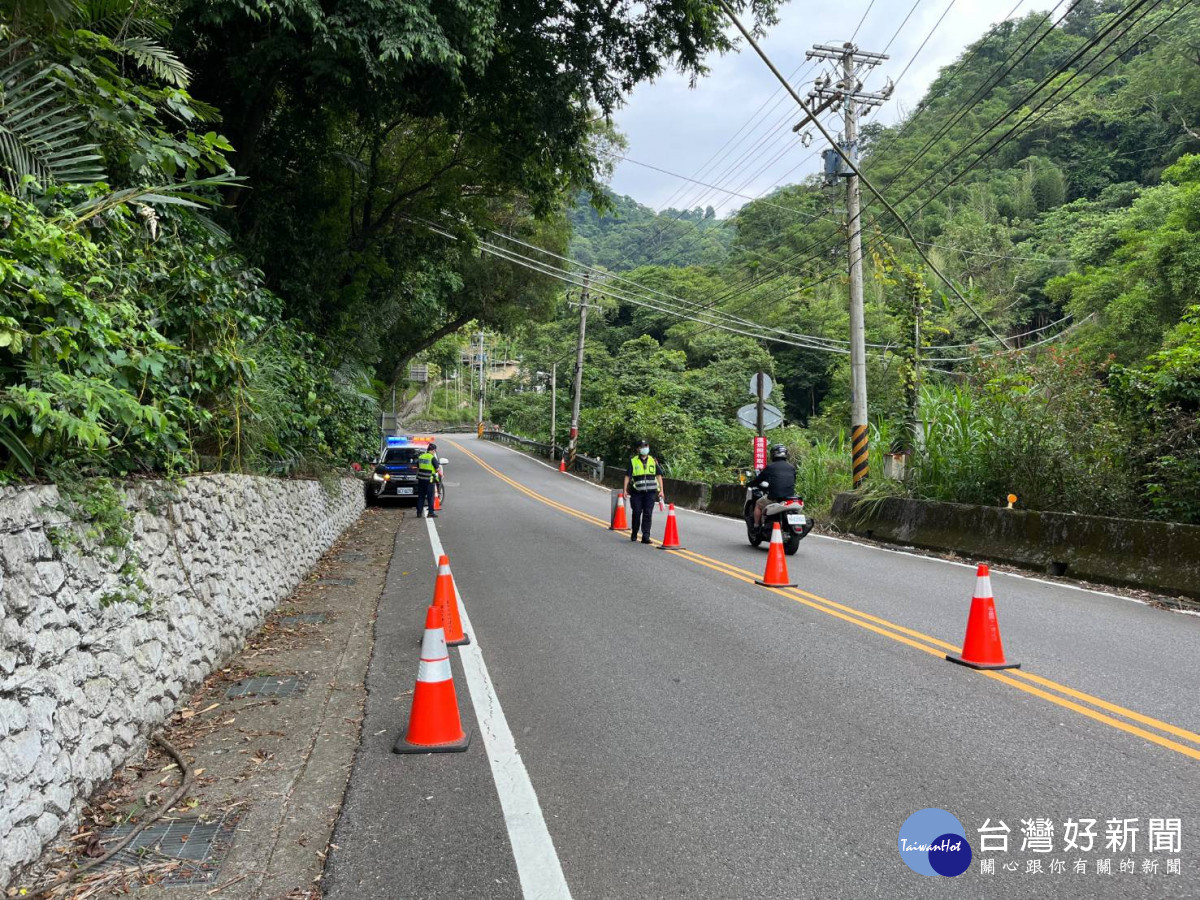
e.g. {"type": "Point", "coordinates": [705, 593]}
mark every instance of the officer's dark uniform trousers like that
{"type": "Point", "coordinates": [426, 476]}
{"type": "Point", "coordinates": [641, 505]}
{"type": "Point", "coordinates": [425, 491]}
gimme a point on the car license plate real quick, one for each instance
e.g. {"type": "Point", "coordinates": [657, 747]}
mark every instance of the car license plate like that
{"type": "Point", "coordinates": [404, 491]}
{"type": "Point", "coordinates": [794, 519]}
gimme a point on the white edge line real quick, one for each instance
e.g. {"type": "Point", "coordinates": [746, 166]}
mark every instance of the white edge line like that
{"type": "Point", "coordinates": [537, 861]}
{"type": "Point", "coordinates": [934, 559]}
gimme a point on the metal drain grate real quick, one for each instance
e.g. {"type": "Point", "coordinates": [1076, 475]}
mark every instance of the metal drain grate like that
{"type": "Point", "coordinates": [268, 686]}
{"type": "Point", "coordinates": [186, 851]}
{"type": "Point", "coordinates": [304, 619]}
{"type": "Point", "coordinates": [334, 581]}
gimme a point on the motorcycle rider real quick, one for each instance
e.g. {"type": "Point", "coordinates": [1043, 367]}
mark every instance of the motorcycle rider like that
{"type": "Point", "coordinates": [780, 476]}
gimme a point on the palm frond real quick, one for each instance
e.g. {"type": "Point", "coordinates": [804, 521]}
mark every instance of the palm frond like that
{"type": "Point", "coordinates": [183, 193]}
{"type": "Point", "coordinates": [40, 10]}
{"type": "Point", "coordinates": [116, 18]}
{"type": "Point", "coordinates": [41, 136]}
{"type": "Point", "coordinates": [155, 59]}
{"type": "Point", "coordinates": [210, 226]}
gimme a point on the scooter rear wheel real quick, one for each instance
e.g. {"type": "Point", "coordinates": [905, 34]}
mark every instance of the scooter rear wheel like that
{"type": "Point", "coordinates": [752, 536]}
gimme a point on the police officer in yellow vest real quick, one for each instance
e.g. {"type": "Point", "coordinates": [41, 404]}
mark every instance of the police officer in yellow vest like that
{"type": "Point", "coordinates": [643, 486]}
{"type": "Point", "coordinates": [429, 472]}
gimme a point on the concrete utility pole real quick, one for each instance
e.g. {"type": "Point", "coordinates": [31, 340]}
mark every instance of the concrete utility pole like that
{"type": "Point", "coordinates": [583, 308]}
{"type": "Point", "coordinates": [848, 92]}
{"type": "Point", "coordinates": [758, 380]}
{"type": "Point", "coordinates": [482, 382]}
{"type": "Point", "coordinates": [553, 406]}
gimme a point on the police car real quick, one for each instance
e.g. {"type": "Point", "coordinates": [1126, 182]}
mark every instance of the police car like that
{"type": "Point", "coordinates": [394, 476]}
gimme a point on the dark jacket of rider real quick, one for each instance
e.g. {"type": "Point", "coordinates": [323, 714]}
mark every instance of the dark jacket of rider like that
{"type": "Point", "coordinates": [780, 477]}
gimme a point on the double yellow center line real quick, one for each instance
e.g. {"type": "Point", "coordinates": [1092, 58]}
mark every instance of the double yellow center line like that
{"type": "Point", "coordinates": [1097, 709]}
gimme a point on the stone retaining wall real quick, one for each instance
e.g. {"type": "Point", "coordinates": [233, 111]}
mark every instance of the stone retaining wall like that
{"type": "Point", "coordinates": [1157, 556]}
{"type": "Point", "coordinates": [82, 683]}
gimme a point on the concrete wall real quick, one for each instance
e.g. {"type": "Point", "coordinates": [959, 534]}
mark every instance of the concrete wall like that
{"type": "Point", "coordinates": [82, 685]}
{"type": "Point", "coordinates": [691, 494]}
{"type": "Point", "coordinates": [722, 499]}
{"type": "Point", "coordinates": [1156, 556]}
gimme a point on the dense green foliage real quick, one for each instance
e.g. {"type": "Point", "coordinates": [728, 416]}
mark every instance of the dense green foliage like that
{"type": "Point", "coordinates": [134, 339]}
{"type": "Point", "coordinates": [359, 124]}
{"type": "Point", "coordinates": [1047, 174]}
{"type": "Point", "coordinates": [159, 312]}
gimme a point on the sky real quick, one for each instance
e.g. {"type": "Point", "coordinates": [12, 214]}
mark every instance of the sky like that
{"type": "Point", "coordinates": [733, 130]}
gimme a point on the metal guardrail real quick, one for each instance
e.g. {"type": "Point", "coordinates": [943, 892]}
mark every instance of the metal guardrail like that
{"type": "Point", "coordinates": [593, 468]}
{"type": "Point", "coordinates": [418, 427]}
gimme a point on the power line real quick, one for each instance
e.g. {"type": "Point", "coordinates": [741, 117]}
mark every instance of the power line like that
{"type": "Point", "coordinates": [954, 179]}
{"type": "Point", "coordinates": [730, 171]}
{"type": "Point", "coordinates": [913, 58]}
{"type": "Point", "coordinates": [1020, 104]}
{"type": "Point", "coordinates": [994, 81]}
{"type": "Point", "coordinates": [990, 82]}
{"type": "Point", "coordinates": [870, 6]}
{"type": "Point", "coordinates": [853, 166]}
{"type": "Point", "coordinates": [800, 341]}
{"type": "Point", "coordinates": [668, 298]}
{"type": "Point", "coordinates": [814, 217]}
{"type": "Point", "coordinates": [822, 245]}
{"type": "Point", "coordinates": [901, 26]}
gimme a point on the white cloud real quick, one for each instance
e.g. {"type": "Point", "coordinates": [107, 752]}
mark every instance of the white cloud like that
{"type": "Point", "coordinates": [683, 130]}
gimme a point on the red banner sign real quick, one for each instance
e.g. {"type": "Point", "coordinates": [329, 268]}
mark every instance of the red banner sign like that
{"type": "Point", "coordinates": [760, 453]}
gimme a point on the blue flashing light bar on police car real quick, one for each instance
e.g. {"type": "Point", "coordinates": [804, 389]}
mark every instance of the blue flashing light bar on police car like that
{"type": "Point", "coordinates": [406, 440]}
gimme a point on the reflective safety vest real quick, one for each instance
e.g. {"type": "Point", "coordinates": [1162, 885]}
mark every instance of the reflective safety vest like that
{"type": "Point", "coordinates": [641, 474]}
{"type": "Point", "coordinates": [426, 467]}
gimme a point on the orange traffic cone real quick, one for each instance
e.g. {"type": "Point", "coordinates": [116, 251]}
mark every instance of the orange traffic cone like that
{"type": "Point", "coordinates": [671, 535]}
{"type": "Point", "coordinates": [562, 464]}
{"type": "Point", "coordinates": [437, 501]}
{"type": "Point", "coordinates": [776, 574]}
{"type": "Point", "coordinates": [445, 599]}
{"type": "Point", "coordinates": [434, 725]}
{"type": "Point", "coordinates": [982, 648]}
{"type": "Point", "coordinates": [619, 523]}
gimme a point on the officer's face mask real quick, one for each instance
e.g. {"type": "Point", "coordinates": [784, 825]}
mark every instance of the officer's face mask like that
{"type": "Point", "coordinates": [643, 451]}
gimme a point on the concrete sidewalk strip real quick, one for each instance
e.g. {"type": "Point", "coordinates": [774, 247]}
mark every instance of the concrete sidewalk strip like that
{"type": "Point", "coordinates": [270, 739]}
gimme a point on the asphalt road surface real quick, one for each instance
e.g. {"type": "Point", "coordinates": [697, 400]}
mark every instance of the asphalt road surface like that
{"type": "Point", "coordinates": [682, 732]}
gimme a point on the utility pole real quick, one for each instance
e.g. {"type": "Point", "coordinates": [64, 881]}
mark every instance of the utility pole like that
{"type": "Point", "coordinates": [916, 432]}
{"type": "Point", "coordinates": [758, 380]}
{"type": "Point", "coordinates": [481, 377]}
{"type": "Point", "coordinates": [579, 375]}
{"type": "Point", "coordinates": [583, 308]}
{"type": "Point", "coordinates": [553, 406]}
{"type": "Point", "coordinates": [848, 92]}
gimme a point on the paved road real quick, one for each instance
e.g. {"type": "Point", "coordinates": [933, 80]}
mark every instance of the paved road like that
{"type": "Point", "coordinates": [690, 734]}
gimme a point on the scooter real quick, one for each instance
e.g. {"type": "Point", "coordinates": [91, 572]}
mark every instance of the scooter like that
{"type": "Point", "coordinates": [794, 523]}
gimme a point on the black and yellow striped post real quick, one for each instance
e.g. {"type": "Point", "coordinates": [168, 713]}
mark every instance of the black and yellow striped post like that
{"type": "Point", "coordinates": [861, 451]}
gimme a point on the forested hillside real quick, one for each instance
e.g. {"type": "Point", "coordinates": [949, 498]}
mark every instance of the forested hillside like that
{"type": "Point", "coordinates": [626, 235]}
{"type": "Point", "coordinates": [1047, 174]}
